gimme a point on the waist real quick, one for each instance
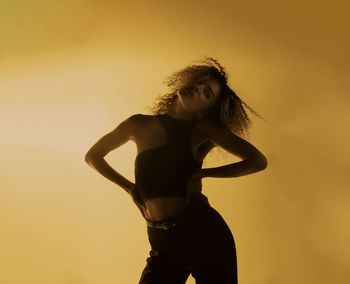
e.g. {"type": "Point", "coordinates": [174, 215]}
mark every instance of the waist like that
{"type": "Point", "coordinates": [164, 207]}
{"type": "Point", "coordinates": [182, 218]}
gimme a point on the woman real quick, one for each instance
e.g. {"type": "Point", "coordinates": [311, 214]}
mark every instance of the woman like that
{"type": "Point", "coordinates": [186, 234]}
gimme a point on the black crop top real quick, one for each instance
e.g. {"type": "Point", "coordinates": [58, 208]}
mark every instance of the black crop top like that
{"type": "Point", "coordinates": [164, 170]}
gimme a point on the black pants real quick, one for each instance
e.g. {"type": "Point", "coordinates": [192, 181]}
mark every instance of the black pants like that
{"type": "Point", "coordinates": [202, 245]}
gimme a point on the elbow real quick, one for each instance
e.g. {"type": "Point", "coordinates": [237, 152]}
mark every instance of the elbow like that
{"type": "Point", "coordinates": [261, 163]}
{"type": "Point", "coordinates": [90, 157]}
{"type": "Point", "coordinates": [87, 158]}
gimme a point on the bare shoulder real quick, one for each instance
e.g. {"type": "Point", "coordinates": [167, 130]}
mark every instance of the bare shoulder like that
{"type": "Point", "coordinates": [128, 125]}
{"type": "Point", "coordinates": [135, 118]}
{"type": "Point", "coordinates": [128, 128]}
{"type": "Point", "coordinates": [141, 126]}
{"type": "Point", "coordinates": [122, 133]}
{"type": "Point", "coordinates": [138, 121]}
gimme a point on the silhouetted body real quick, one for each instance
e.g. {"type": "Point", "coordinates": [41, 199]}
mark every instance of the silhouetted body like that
{"type": "Point", "coordinates": [186, 234]}
{"type": "Point", "coordinates": [197, 241]}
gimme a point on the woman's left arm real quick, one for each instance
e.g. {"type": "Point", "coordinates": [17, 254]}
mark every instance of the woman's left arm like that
{"type": "Point", "coordinates": [252, 159]}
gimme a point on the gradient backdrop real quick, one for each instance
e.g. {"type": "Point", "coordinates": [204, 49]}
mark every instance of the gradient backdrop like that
{"type": "Point", "coordinates": [71, 71]}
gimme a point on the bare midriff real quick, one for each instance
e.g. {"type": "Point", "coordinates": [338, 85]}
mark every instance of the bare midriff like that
{"type": "Point", "coordinates": [161, 208]}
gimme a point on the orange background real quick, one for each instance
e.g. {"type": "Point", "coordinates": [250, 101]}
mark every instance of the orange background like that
{"type": "Point", "coordinates": [71, 71]}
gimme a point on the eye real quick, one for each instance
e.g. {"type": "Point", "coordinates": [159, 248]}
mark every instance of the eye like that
{"type": "Point", "coordinates": [207, 93]}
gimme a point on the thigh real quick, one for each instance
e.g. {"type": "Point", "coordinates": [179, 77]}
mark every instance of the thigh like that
{"type": "Point", "coordinates": [162, 271]}
{"type": "Point", "coordinates": [164, 264]}
{"type": "Point", "coordinates": [216, 260]}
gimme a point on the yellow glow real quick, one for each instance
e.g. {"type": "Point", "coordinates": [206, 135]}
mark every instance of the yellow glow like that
{"type": "Point", "coordinates": [72, 71]}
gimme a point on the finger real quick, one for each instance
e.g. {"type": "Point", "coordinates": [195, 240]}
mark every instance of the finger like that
{"type": "Point", "coordinates": [142, 210]}
{"type": "Point", "coordinates": [139, 202]}
{"type": "Point", "coordinates": [204, 199]}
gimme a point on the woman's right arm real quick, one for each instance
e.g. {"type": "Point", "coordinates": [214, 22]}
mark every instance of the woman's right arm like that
{"type": "Point", "coordinates": [112, 140]}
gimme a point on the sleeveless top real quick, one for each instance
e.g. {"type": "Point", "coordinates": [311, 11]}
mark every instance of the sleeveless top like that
{"type": "Point", "coordinates": [164, 170]}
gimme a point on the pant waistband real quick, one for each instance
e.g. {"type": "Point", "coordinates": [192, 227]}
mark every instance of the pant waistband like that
{"type": "Point", "coordinates": [173, 222]}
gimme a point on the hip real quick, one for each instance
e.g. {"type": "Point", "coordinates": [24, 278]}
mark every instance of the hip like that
{"type": "Point", "coordinates": [198, 227]}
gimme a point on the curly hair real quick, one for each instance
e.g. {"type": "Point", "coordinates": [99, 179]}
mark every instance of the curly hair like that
{"type": "Point", "coordinates": [228, 108]}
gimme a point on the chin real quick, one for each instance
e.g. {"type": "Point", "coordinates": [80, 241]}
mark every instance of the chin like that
{"type": "Point", "coordinates": [189, 108]}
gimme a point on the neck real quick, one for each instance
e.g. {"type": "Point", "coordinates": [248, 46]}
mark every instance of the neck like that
{"type": "Point", "coordinates": [176, 110]}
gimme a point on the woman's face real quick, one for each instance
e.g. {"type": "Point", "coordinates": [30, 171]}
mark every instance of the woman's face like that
{"type": "Point", "coordinates": [200, 96]}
